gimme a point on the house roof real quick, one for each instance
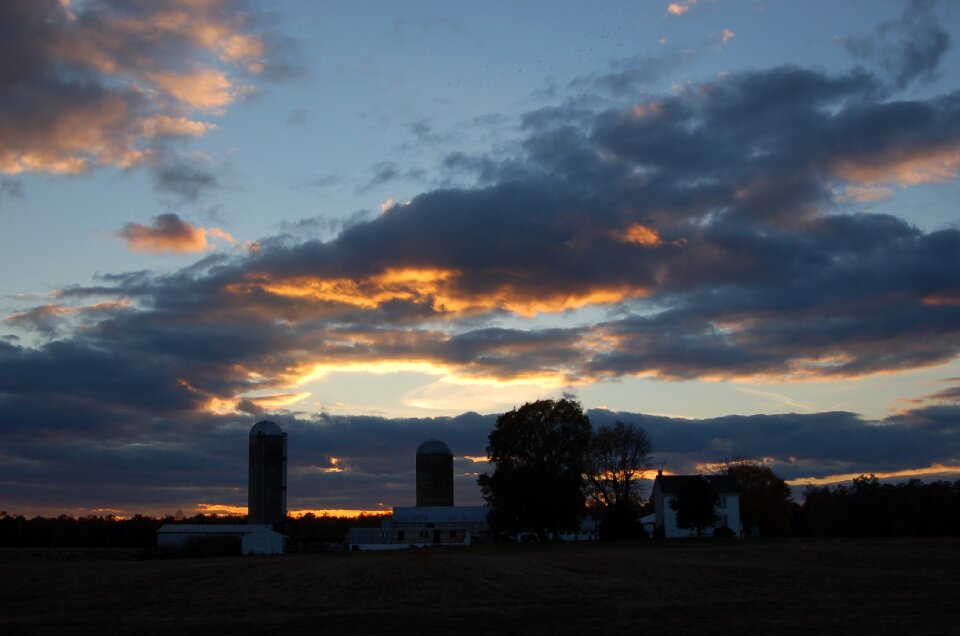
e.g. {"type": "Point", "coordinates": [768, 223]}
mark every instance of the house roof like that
{"type": "Point", "coordinates": [722, 484]}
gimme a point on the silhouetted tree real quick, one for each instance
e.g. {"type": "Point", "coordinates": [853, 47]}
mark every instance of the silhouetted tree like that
{"type": "Point", "coordinates": [538, 453]}
{"type": "Point", "coordinates": [764, 498]}
{"type": "Point", "coordinates": [696, 504]}
{"type": "Point", "coordinates": [615, 460]}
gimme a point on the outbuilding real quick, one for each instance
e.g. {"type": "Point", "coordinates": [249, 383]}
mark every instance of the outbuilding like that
{"type": "Point", "coordinates": [253, 538]}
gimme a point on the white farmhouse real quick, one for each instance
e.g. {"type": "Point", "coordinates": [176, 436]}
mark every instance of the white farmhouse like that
{"type": "Point", "coordinates": [666, 487]}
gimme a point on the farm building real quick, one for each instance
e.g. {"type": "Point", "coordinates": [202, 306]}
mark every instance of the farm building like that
{"type": "Point", "coordinates": [252, 538]}
{"type": "Point", "coordinates": [666, 487]}
{"type": "Point", "coordinates": [423, 526]}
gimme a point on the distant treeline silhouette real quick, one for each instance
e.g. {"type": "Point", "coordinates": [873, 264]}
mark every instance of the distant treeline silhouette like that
{"type": "Point", "coordinates": [306, 533]}
{"type": "Point", "coordinates": [869, 508]}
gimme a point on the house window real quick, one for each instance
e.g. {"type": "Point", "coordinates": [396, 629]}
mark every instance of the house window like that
{"type": "Point", "coordinates": [453, 534]}
{"type": "Point", "coordinates": [399, 535]}
{"type": "Point", "coordinates": [424, 534]}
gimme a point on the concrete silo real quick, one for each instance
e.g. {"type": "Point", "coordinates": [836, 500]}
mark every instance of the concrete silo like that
{"type": "Point", "coordinates": [434, 474]}
{"type": "Point", "coordinates": [267, 498]}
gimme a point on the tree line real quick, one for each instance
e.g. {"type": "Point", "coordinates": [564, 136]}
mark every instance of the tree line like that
{"type": "Point", "coordinates": [308, 532]}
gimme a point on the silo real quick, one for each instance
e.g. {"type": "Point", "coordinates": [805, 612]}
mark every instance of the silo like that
{"type": "Point", "coordinates": [434, 474]}
{"type": "Point", "coordinates": [267, 498]}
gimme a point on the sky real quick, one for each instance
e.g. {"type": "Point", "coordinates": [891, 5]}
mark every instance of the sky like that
{"type": "Point", "coordinates": [733, 223]}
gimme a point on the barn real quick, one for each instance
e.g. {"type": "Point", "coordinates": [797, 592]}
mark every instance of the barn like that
{"type": "Point", "coordinates": [252, 538]}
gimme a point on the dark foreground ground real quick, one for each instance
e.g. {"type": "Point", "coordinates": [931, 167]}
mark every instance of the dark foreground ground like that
{"type": "Point", "coordinates": [770, 587]}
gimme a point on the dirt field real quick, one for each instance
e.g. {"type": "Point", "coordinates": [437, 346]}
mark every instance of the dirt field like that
{"type": "Point", "coordinates": [788, 587]}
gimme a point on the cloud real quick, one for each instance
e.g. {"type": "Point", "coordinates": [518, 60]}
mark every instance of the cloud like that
{"type": "Point", "coordinates": [102, 83]}
{"type": "Point", "coordinates": [628, 76]}
{"type": "Point", "coordinates": [11, 188]}
{"type": "Point", "coordinates": [680, 8]}
{"type": "Point", "coordinates": [298, 117]}
{"type": "Point", "coordinates": [186, 179]}
{"type": "Point", "coordinates": [170, 233]}
{"type": "Point", "coordinates": [387, 171]}
{"type": "Point", "coordinates": [907, 49]}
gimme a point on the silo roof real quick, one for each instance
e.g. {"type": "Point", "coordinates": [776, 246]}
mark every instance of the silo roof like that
{"type": "Point", "coordinates": [434, 447]}
{"type": "Point", "coordinates": [266, 427]}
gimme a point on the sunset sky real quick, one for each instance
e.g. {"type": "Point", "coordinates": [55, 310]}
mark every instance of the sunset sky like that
{"type": "Point", "coordinates": [733, 222]}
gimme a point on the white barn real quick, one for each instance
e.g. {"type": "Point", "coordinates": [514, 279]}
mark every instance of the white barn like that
{"type": "Point", "coordinates": [423, 526]}
{"type": "Point", "coordinates": [666, 487]}
{"type": "Point", "coordinates": [254, 538]}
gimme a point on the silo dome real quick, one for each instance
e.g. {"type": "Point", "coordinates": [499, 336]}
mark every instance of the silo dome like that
{"type": "Point", "coordinates": [265, 427]}
{"type": "Point", "coordinates": [432, 447]}
{"type": "Point", "coordinates": [434, 474]}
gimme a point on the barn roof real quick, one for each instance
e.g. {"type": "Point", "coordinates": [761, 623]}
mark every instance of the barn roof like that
{"type": "Point", "coordinates": [440, 514]}
{"type": "Point", "coordinates": [722, 484]}
{"type": "Point", "coordinates": [219, 528]}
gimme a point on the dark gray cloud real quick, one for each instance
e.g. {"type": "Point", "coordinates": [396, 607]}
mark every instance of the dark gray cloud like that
{"type": "Point", "coordinates": [298, 117]}
{"type": "Point", "coordinates": [183, 179]}
{"type": "Point", "coordinates": [11, 189]}
{"type": "Point", "coordinates": [907, 49]}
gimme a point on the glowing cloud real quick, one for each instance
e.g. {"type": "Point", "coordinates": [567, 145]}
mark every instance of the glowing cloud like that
{"type": "Point", "coordinates": [641, 235]}
{"type": "Point", "coordinates": [935, 469]}
{"type": "Point", "coordinates": [206, 89]}
{"type": "Point", "coordinates": [170, 233]}
{"type": "Point", "coordinates": [679, 8]}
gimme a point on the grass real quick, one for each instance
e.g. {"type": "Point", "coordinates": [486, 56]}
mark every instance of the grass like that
{"type": "Point", "coordinates": [784, 587]}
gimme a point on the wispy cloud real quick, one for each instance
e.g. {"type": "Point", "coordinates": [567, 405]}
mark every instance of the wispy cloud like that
{"type": "Point", "coordinates": [906, 49]}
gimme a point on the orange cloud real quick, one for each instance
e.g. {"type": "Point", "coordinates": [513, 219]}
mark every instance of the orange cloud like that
{"type": "Point", "coordinates": [170, 233]}
{"type": "Point", "coordinates": [164, 126]}
{"type": "Point", "coordinates": [727, 35]}
{"type": "Point", "coordinates": [641, 235]}
{"type": "Point", "coordinates": [942, 299]}
{"type": "Point", "coordinates": [205, 89]}
{"type": "Point", "coordinates": [679, 8]}
{"type": "Point", "coordinates": [935, 469]}
{"type": "Point", "coordinates": [903, 167]}
{"type": "Point", "coordinates": [438, 287]}
{"type": "Point", "coordinates": [647, 109]}
{"type": "Point", "coordinates": [865, 194]}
